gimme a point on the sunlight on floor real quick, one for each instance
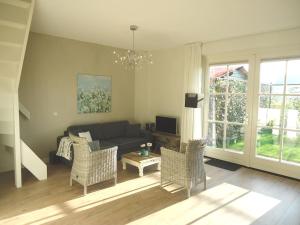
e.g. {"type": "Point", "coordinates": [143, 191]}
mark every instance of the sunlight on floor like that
{"type": "Point", "coordinates": [174, 188]}
{"type": "Point", "coordinates": [224, 203]}
{"type": "Point", "coordinates": [51, 213]}
{"type": "Point", "coordinates": [234, 205]}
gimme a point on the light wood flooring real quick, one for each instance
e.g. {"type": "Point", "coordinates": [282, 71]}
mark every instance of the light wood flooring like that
{"type": "Point", "coordinates": [244, 196]}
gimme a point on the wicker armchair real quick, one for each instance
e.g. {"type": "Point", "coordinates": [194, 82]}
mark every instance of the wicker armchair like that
{"type": "Point", "coordinates": [185, 168]}
{"type": "Point", "coordinates": [92, 167]}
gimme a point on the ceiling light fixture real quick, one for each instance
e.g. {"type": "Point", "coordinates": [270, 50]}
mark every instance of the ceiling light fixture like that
{"type": "Point", "coordinates": [133, 59]}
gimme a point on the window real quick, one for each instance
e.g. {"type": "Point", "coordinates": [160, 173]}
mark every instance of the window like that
{"type": "Point", "coordinates": [228, 87]}
{"type": "Point", "coordinates": [278, 133]}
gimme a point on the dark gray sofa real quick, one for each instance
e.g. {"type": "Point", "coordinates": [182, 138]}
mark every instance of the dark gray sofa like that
{"type": "Point", "coordinates": [128, 137]}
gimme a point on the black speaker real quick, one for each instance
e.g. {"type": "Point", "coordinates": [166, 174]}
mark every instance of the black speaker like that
{"type": "Point", "coordinates": [191, 100]}
{"type": "Point", "coordinates": [150, 126]}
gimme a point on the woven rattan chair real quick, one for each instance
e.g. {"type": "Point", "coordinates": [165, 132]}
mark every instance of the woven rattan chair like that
{"type": "Point", "coordinates": [185, 168]}
{"type": "Point", "coordinates": [91, 167]}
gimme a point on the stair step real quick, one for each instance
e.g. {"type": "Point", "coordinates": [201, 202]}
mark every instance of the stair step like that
{"type": "Point", "coordinates": [33, 163]}
{"type": "Point", "coordinates": [16, 3]}
{"type": "Point", "coordinates": [6, 127]}
{"type": "Point", "coordinates": [6, 114]}
{"type": "Point", "coordinates": [13, 14]}
{"type": "Point", "coordinates": [7, 140]}
{"type": "Point", "coordinates": [8, 70]}
{"type": "Point", "coordinates": [6, 85]}
{"type": "Point", "coordinates": [11, 24]}
{"type": "Point", "coordinates": [11, 35]}
{"type": "Point", "coordinates": [10, 53]}
{"type": "Point", "coordinates": [10, 44]}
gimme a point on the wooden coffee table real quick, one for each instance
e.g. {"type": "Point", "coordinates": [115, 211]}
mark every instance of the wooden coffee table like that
{"type": "Point", "coordinates": [134, 159]}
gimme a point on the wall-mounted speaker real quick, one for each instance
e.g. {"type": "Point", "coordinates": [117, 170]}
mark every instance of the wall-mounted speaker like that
{"type": "Point", "coordinates": [191, 100]}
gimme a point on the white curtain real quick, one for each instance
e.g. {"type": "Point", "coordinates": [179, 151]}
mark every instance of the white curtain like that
{"type": "Point", "coordinates": [191, 126]}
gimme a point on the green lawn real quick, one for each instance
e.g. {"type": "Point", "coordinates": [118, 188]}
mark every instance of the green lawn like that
{"type": "Point", "coordinates": [269, 144]}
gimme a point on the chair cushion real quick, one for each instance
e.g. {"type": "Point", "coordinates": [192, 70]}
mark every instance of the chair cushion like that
{"type": "Point", "coordinates": [133, 130]}
{"type": "Point", "coordinates": [78, 140]}
{"type": "Point", "coordinates": [94, 145]}
{"type": "Point", "coordinates": [86, 135]}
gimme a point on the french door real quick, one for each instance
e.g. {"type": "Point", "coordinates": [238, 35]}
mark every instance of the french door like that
{"type": "Point", "coordinates": [253, 117]}
{"type": "Point", "coordinates": [276, 117]}
{"type": "Point", "coordinates": [227, 111]}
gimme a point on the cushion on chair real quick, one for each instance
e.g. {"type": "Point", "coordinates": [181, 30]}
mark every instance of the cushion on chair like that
{"type": "Point", "coordinates": [94, 145]}
{"type": "Point", "coordinates": [77, 139]}
{"type": "Point", "coordinates": [86, 135]}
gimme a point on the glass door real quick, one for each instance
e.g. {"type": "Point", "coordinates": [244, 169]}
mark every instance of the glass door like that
{"type": "Point", "coordinates": [277, 130]}
{"type": "Point", "coordinates": [227, 112]}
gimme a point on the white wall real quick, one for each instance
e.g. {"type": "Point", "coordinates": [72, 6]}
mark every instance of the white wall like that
{"type": "Point", "coordinates": [158, 87]}
{"type": "Point", "coordinates": [48, 88]}
{"type": "Point", "coordinates": [6, 123]}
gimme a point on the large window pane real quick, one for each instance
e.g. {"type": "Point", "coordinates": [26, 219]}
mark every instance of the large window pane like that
{"type": "Point", "coordinates": [218, 79]}
{"type": "Point", "coordinates": [292, 112]}
{"type": "Point", "coordinates": [268, 143]}
{"type": "Point", "coordinates": [235, 137]}
{"type": "Point", "coordinates": [217, 107]}
{"type": "Point", "coordinates": [236, 108]}
{"type": "Point", "coordinates": [293, 77]}
{"type": "Point", "coordinates": [269, 112]}
{"type": "Point", "coordinates": [215, 135]}
{"type": "Point", "coordinates": [272, 75]}
{"type": "Point", "coordinates": [291, 146]}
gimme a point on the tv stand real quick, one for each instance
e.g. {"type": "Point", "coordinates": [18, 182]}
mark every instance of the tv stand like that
{"type": "Point", "coordinates": [170, 141]}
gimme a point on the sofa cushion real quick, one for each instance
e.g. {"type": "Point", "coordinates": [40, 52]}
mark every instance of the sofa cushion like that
{"type": "Point", "coordinates": [101, 131]}
{"type": "Point", "coordinates": [111, 130]}
{"type": "Point", "coordinates": [133, 130]}
{"type": "Point", "coordinates": [84, 128]}
{"type": "Point", "coordinates": [128, 143]}
{"type": "Point", "coordinates": [106, 144]}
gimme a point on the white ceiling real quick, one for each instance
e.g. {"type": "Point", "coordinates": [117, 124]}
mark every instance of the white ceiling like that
{"type": "Point", "coordinates": [163, 23]}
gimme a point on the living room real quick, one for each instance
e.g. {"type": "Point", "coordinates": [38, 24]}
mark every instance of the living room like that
{"type": "Point", "coordinates": [224, 73]}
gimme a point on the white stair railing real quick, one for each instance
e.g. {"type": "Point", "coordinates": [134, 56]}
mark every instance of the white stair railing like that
{"type": "Point", "coordinates": [25, 112]}
{"type": "Point", "coordinates": [33, 163]}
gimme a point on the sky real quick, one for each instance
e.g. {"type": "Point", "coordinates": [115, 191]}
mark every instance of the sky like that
{"type": "Point", "coordinates": [274, 72]}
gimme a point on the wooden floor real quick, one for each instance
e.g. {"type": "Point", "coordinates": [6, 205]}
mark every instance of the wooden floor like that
{"type": "Point", "coordinates": [242, 197]}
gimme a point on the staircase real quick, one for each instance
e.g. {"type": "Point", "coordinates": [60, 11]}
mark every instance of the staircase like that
{"type": "Point", "coordinates": [15, 21]}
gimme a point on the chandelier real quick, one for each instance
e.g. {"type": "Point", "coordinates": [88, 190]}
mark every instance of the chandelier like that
{"type": "Point", "coordinates": [132, 59]}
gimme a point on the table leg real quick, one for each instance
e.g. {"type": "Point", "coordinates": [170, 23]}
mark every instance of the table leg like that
{"type": "Point", "coordinates": [141, 172]}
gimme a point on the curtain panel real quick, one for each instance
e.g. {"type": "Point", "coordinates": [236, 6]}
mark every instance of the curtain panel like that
{"type": "Point", "coordinates": [191, 119]}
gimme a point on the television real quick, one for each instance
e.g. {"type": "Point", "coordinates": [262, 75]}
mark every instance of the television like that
{"type": "Point", "coordinates": [166, 124]}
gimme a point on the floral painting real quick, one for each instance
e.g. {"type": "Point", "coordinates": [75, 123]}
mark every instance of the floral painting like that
{"type": "Point", "coordinates": [93, 93]}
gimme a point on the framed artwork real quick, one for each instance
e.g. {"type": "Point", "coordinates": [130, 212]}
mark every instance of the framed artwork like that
{"type": "Point", "coordinates": [93, 93]}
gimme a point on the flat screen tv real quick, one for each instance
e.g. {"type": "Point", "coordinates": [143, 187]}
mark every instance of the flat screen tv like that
{"type": "Point", "coordinates": [166, 124]}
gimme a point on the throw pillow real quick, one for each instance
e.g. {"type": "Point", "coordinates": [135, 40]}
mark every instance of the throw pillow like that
{"type": "Point", "coordinates": [94, 145]}
{"type": "Point", "coordinates": [86, 135]}
{"type": "Point", "coordinates": [133, 130]}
